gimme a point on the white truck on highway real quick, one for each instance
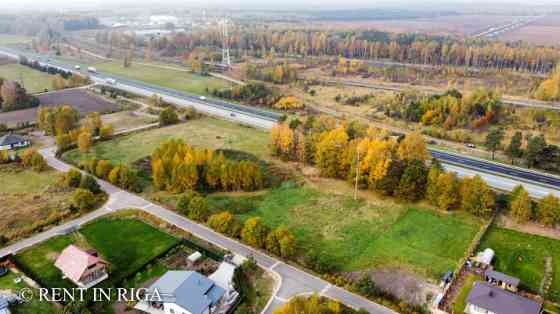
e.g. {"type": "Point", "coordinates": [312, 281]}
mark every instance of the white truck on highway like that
{"type": "Point", "coordinates": [92, 69]}
{"type": "Point", "coordinates": [111, 81]}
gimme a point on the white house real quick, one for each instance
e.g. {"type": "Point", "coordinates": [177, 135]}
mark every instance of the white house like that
{"type": "Point", "coordinates": [13, 141]}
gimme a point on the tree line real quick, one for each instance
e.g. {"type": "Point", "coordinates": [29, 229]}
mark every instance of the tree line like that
{"type": "Point", "coordinates": [404, 47]}
{"type": "Point", "coordinates": [178, 167]}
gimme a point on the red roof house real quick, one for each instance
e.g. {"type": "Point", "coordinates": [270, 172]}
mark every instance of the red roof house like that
{"type": "Point", "coordinates": [84, 268]}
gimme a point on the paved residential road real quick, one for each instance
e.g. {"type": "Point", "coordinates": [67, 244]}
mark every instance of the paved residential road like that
{"type": "Point", "coordinates": [291, 280]}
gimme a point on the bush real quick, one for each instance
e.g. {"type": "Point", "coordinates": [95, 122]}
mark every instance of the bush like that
{"type": "Point", "coordinates": [83, 199]}
{"type": "Point", "coordinates": [106, 132]}
{"type": "Point", "coordinates": [184, 201]}
{"type": "Point", "coordinates": [254, 232]}
{"type": "Point", "coordinates": [89, 183]}
{"type": "Point", "coordinates": [225, 223]}
{"type": "Point", "coordinates": [72, 178]}
{"type": "Point", "coordinates": [281, 242]}
{"type": "Point", "coordinates": [168, 116]}
{"type": "Point", "coordinates": [198, 209]}
{"type": "Point", "coordinates": [103, 169]}
{"type": "Point", "coordinates": [366, 287]}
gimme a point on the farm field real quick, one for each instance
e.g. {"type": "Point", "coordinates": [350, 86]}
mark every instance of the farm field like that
{"type": "Point", "coordinates": [357, 235]}
{"type": "Point", "coordinates": [78, 98]}
{"type": "Point", "coordinates": [179, 80]}
{"type": "Point", "coordinates": [34, 306]}
{"type": "Point", "coordinates": [34, 81]}
{"type": "Point", "coordinates": [545, 31]}
{"type": "Point", "coordinates": [202, 132]}
{"type": "Point", "coordinates": [29, 198]}
{"type": "Point", "coordinates": [124, 120]}
{"type": "Point", "coordinates": [523, 255]}
{"type": "Point", "coordinates": [6, 39]}
{"type": "Point", "coordinates": [126, 244]}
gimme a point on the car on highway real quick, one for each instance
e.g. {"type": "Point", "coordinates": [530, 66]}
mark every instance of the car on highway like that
{"type": "Point", "coordinates": [77, 67]}
{"type": "Point", "coordinates": [202, 98]}
{"type": "Point", "coordinates": [92, 69]}
{"type": "Point", "coordinates": [470, 145]}
{"type": "Point", "coordinates": [111, 81]}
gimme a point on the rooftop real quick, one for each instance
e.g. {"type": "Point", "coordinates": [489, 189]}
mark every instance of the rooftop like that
{"type": "Point", "coordinates": [10, 139]}
{"type": "Point", "coordinates": [500, 301]}
{"type": "Point", "coordinates": [502, 277]}
{"type": "Point", "coordinates": [74, 261]}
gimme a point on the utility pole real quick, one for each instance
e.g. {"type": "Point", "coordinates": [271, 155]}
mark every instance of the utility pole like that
{"type": "Point", "coordinates": [226, 60]}
{"type": "Point", "coordinates": [357, 173]}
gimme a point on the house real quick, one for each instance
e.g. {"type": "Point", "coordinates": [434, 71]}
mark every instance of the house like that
{"type": "Point", "coordinates": [185, 292]}
{"type": "Point", "coordinates": [13, 141]}
{"type": "Point", "coordinates": [501, 280]}
{"type": "Point", "coordinates": [485, 298]}
{"type": "Point", "coordinates": [84, 268]}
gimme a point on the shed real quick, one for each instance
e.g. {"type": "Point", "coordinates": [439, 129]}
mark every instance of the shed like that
{"type": "Point", "coordinates": [502, 280]}
{"type": "Point", "coordinates": [485, 257]}
{"type": "Point", "coordinates": [194, 257]}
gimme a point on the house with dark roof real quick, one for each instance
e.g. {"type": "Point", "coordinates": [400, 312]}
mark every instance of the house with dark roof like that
{"type": "Point", "coordinates": [185, 292]}
{"type": "Point", "coordinates": [84, 268]}
{"type": "Point", "coordinates": [501, 280]}
{"type": "Point", "coordinates": [485, 298]}
{"type": "Point", "coordinates": [13, 141]}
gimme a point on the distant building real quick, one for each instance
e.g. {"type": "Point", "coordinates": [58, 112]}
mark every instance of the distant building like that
{"type": "Point", "coordinates": [13, 141]}
{"type": "Point", "coordinates": [84, 268]}
{"type": "Point", "coordinates": [163, 19]}
{"type": "Point", "coordinates": [485, 298]}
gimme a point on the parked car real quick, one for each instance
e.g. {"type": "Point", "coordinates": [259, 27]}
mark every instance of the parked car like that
{"type": "Point", "coordinates": [470, 145]}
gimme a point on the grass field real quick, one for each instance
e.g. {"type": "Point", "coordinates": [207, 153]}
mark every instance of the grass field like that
{"type": "Point", "coordinates": [179, 80]}
{"type": "Point", "coordinates": [34, 81]}
{"type": "Point", "coordinates": [204, 132]}
{"type": "Point", "coordinates": [523, 255]}
{"type": "Point", "coordinates": [30, 197]}
{"type": "Point", "coordinates": [14, 39]}
{"type": "Point", "coordinates": [126, 244]}
{"type": "Point", "coordinates": [31, 307]}
{"type": "Point", "coordinates": [356, 235]}
{"type": "Point", "coordinates": [126, 120]}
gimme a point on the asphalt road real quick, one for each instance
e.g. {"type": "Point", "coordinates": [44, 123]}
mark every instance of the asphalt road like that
{"type": "Point", "coordinates": [291, 280]}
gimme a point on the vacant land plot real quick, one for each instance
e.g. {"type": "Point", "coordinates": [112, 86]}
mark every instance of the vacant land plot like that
{"type": "Point", "coordinates": [523, 255]}
{"type": "Point", "coordinates": [80, 99]}
{"type": "Point", "coordinates": [14, 39]}
{"type": "Point", "coordinates": [357, 235]}
{"type": "Point", "coordinates": [127, 120]}
{"type": "Point", "coordinates": [28, 197]}
{"type": "Point", "coordinates": [204, 132]}
{"type": "Point", "coordinates": [179, 80]}
{"type": "Point", "coordinates": [33, 306]}
{"type": "Point", "coordinates": [34, 81]}
{"type": "Point", "coordinates": [125, 243]}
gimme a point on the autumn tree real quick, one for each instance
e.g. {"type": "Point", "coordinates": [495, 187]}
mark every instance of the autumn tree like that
{"type": "Point", "coordinates": [477, 197]}
{"type": "Point", "coordinates": [449, 188]}
{"type": "Point", "coordinates": [225, 223]}
{"type": "Point", "coordinates": [548, 210]}
{"type": "Point", "coordinates": [83, 199]}
{"type": "Point", "coordinates": [433, 190]}
{"type": "Point", "coordinates": [93, 123]}
{"type": "Point", "coordinates": [494, 140]}
{"type": "Point", "coordinates": [198, 209]}
{"type": "Point", "coordinates": [413, 147]}
{"type": "Point", "coordinates": [85, 141]}
{"type": "Point", "coordinates": [168, 116]}
{"type": "Point", "coordinates": [103, 168]}
{"type": "Point", "coordinates": [281, 242]}
{"type": "Point", "coordinates": [254, 232]}
{"type": "Point", "coordinates": [328, 150]}
{"type": "Point", "coordinates": [106, 132]}
{"type": "Point", "coordinates": [58, 82]}
{"type": "Point", "coordinates": [521, 206]}
{"type": "Point", "coordinates": [412, 185]}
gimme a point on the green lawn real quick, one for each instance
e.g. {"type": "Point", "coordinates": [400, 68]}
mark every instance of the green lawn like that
{"type": "Point", "coordinates": [31, 307]}
{"type": "Point", "coordinates": [34, 81]}
{"type": "Point", "coordinates": [179, 80]}
{"type": "Point", "coordinates": [25, 180]}
{"type": "Point", "coordinates": [461, 299]}
{"type": "Point", "coordinates": [523, 255]}
{"type": "Point", "coordinates": [126, 244]}
{"type": "Point", "coordinates": [204, 132]}
{"type": "Point", "coordinates": [355, 235]}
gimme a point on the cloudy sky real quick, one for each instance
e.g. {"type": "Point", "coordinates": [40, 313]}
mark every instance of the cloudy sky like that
{"type": "Point", "coordinates": [64, 4]}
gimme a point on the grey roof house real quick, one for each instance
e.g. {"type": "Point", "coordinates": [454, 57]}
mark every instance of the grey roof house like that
{"type": "Point", "coordinates": [184, 292]}
{"type": "Point", "coordinates": [485, 298]}
{"type": "Point", "coordinates": [502, 280]}
{"type": "Point", "coordinates": [13, 141]}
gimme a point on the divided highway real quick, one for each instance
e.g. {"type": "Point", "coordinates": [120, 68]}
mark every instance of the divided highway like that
{"type": "Point", "coordinates": [499, 176]}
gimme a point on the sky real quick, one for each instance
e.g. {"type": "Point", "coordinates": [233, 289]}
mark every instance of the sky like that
{"type": "Point", "coordinates": [99, 4]}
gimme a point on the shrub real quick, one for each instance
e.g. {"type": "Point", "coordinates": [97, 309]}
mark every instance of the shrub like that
{"type": "Point", "coordinates": [4, 157]}
{"type": "Point", "coordinates": [89, 183]}
{"type": "Point", "coordinates": [185, 199]}
{"type": "Point", "coordinates": [225, 223]}
{"type": "Point", "coordinates": [198, 208]}
{"type": "Point", "coordinates": [168, 116]}
{"type": "Point", "coordinates": [72, 178]}
{"type": "Point", "coordinates": [83, 199]}
{"type": "Point", "coordinates": [106, 132]}
{"type": "Point", "coordinates": [281, 242]}
{"type": "Point", "coordinates": [103, 168]}
{"type": "Point", "coordinates": [254, 232]}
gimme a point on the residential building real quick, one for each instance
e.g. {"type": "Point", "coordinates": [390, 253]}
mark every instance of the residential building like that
{"type": "Point", "coordinates": [13, 141]}
{"type": "Point", "coordinates": [485, 298]}
{"type": "Point", "coordinates": [84, 268]}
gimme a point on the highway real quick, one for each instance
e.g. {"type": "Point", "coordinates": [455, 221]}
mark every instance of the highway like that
{"type": "Point", "coordinates": [215, 107]}
{"type": "Point", "coordinates": [499, 176]}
